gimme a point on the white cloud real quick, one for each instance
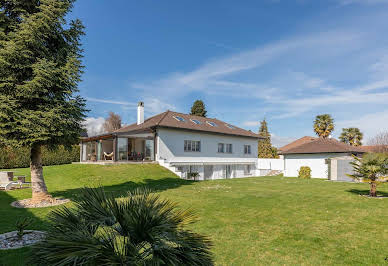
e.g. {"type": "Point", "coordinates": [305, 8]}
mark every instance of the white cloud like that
{"type": "Point", "coordinates": [211, 76]}
{"type": "Point", "coordinates": [369, 124]}
{"type": "Point", "coordinates": [367, 2]}
{"type": "Point", "coordinates": [279, 141]}
{"type": "Point", "coordinates": [251, 123]}
{"type": "Point", "coordinates": [94, 126]}
{"type": "Point", "coordinates": [90, 99]}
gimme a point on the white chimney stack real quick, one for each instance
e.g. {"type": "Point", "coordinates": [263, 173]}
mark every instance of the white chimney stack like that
{"type": "Point", "coordinates": [140, 113]}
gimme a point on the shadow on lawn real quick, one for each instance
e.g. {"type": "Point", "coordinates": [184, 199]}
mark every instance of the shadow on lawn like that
{"type": "Point", "coordinates": [156, 185]}
{"type": "Point", "coordinates": [8, 217]}
{"type": "Point", "coordinates": [366, 192]}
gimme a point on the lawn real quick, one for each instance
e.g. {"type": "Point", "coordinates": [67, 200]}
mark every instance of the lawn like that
{"type": "Point", "coordinates": [258, 220]}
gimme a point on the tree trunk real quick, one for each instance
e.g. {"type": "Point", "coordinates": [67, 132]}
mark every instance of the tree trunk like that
{"type": "Point", "coordinates": [39, 189]}
{"type": "Point", "coordinates": [373, 190]}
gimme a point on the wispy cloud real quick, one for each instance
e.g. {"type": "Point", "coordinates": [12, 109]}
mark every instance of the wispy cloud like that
{"type": "Point", "coordinates": [363, 2]}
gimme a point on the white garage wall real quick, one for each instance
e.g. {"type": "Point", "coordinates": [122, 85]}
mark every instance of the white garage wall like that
{"type": "Point", "coordinates": [319, 168]}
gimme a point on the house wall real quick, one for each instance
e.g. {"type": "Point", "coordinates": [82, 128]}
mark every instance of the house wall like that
{"type": "Point", "coordinates": [170, 148]}
{"type": "Point", "coordinates": [317, 163]}
{"type": "Point", "coordinates": [171, 144]}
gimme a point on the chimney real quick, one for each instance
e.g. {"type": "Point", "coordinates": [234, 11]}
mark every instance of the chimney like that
{"type": "Point", "coordinates": [140, 113]}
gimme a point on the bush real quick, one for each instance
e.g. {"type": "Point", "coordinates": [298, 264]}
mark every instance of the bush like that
{"type": "Point", "coordinates": [20, 157]}
{"type": "Point", "coordinates": [304, 172]}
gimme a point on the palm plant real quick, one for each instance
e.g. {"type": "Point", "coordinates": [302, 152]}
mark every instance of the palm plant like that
{"type": "Point", "coordinates": [372, 168]}
{"type": "Point", "coordinates": [351, 136]}
{"type": "Point", "coordinates": [138, 228]}
{"type": "Point", "coordinates": [323, 125]}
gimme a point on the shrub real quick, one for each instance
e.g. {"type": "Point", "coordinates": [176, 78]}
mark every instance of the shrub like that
{"type": "Point", "coordinates": [21, 225]}
{"type": "Point", "coordinates": [304, 172]}
{"type": "Point", "coordinates": [20, 157]}
{"type": "Point", "coordinates": [138, 228]}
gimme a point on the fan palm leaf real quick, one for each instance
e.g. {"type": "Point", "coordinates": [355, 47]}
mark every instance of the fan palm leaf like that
{"type": "Point", "coordinates": [139, 228]}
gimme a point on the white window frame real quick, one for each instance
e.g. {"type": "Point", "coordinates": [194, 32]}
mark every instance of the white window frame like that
{"type": "Point", "coordinates": [226, 148]}
{"type": "Point", "coordinates": [192, 146]}
{"type": "Point", "coordinates": [223, 148]}
{"type": "Point", "coordinates": [247, 149]}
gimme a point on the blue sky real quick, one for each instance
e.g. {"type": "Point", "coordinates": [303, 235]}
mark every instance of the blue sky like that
{"type": "Point", "coordinates": [283, 60]}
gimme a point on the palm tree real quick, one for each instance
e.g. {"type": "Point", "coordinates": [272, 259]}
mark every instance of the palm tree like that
{"type": "Point", "coordinates": [351, 136]}
{"type": "Point", "coordinates": [138, 228]}
{"type": "Point", "coordinates": [323, 125]}
{"type": "Point", "coordinates": [372, 168]}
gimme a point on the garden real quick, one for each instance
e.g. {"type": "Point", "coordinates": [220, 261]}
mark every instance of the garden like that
{"type": "Point", "coordinates": [250, 221]}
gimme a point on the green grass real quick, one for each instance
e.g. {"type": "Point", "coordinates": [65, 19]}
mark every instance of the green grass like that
{"type": "Point", "coordinates": [258, 220]}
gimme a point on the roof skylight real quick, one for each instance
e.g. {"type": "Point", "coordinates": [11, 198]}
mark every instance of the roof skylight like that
{"type": "Point", "coordinates": [179, 118]}
{"type": "Point", "coordinates": [230, 126]}
{"type": "Point", "coordinates": [195, 121]}
{"type": "Point", "coordinates": [211, 123]}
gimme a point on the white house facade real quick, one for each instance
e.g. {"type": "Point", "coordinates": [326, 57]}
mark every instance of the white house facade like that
{"type": "Point", "coordinates": [192, 147]}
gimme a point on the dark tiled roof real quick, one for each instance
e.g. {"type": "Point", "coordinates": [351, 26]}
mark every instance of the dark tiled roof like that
{"type": "Point", "coordinates": [296, 143]}
{"type": "Point", "coordinates": [375, 148]}
{"type": "Point", "coordinates": [167, 119]}
{"type": "Point", "coordinates": [321, 145]}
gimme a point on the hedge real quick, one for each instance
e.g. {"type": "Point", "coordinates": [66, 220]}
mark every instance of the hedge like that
{"type": "Point", "coordinates": [20, 157]}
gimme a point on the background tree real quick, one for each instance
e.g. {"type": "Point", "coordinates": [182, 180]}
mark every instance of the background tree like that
{"type": "Point", "coordinates": [372, 168]}
{"type": "Point", "coordinates": [265, 149]}
{"type": "Point", "coordinates": [380, 141]}
{"type": "Point", "coordinates": [112, 123]}
{"type": "Point", "coordinates": [198, 108]}
{"type": "Point", "coordinates": [323, 125]}
{"type": "Point", "coordinates": [40, 67]}
{"type": "Point", "coordinates": [138, 228]}
{"type": "Point", "coordinates": [351, 136]}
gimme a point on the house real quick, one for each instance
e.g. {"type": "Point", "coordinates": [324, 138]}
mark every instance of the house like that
{"type": "Point", "coordinates": [190, 146]}
{"type": "Point", "coordinates": [327, 157]}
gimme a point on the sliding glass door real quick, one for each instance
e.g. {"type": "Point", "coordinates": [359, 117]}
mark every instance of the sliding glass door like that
{"type": "Point", "coordinates": [122, 149]}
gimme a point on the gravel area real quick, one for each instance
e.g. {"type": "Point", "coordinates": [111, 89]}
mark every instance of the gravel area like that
{"type": "Point", "coordinates": [10, 240]}
{"type": "Point", "coordinates": [26, 203]}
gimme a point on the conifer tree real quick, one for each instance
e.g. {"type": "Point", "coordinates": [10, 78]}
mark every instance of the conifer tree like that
{"type": "Point", "coordinates": [40, 67]}
{"type": "Point", "coordinates": [265, 149]}
{"type": "Point", "coordinates": [198, 108]}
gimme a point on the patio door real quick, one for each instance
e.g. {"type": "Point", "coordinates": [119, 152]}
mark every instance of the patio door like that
{"type": "Point", "coordinates": [122, 148]}
{"type": "Point", "coordinates": [149, 149]}
{"type": "Point", "coordinates": [208, 172]}
{"type": "Point", "coordinates": [228, 171]}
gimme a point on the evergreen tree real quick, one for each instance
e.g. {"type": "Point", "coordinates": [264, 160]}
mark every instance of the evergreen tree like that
{"type": "Point", "coordinates": [265, 149]}
{"type": "Point", "coordinates": [198, 108]}
{"type": "Point", "coordinates": [40, 68]}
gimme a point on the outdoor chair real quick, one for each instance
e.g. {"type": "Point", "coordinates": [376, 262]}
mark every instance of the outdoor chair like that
{"type": "Point", "coordinates": [108, 155]}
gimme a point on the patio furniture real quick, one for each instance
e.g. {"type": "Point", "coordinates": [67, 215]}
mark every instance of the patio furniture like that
{"type": "Point", "coordinates": [6, 180]}
{"type": "Point", "coordinates": [108, 155]}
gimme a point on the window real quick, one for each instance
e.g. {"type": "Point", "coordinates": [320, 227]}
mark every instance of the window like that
{"type": "Point", "coordinates": [221, 147]}
{"type": "Point", "coordinates": [229, 148]}
{"type": "Point", "coordinates": [192, 145]}
{"type": "Point", "coordinates": [230, 126]}
{"type": "Point", "coordinates": [195, 121]}
{"type": "Point", "coordinates": [211, 123]}
{"type": "Point", "coordinates": [179, 118]}
{"type": "Point", "coordinates": [247, 149]}
{"type": "Point", "coordinates": [247, 169]}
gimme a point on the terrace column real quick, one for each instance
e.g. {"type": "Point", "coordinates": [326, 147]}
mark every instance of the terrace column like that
{"type": "Point", "coordinates": [115, 148]}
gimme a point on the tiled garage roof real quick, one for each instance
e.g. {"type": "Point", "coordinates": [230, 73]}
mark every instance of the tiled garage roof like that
{"type": "Point", "coordinates": [319, 145]}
